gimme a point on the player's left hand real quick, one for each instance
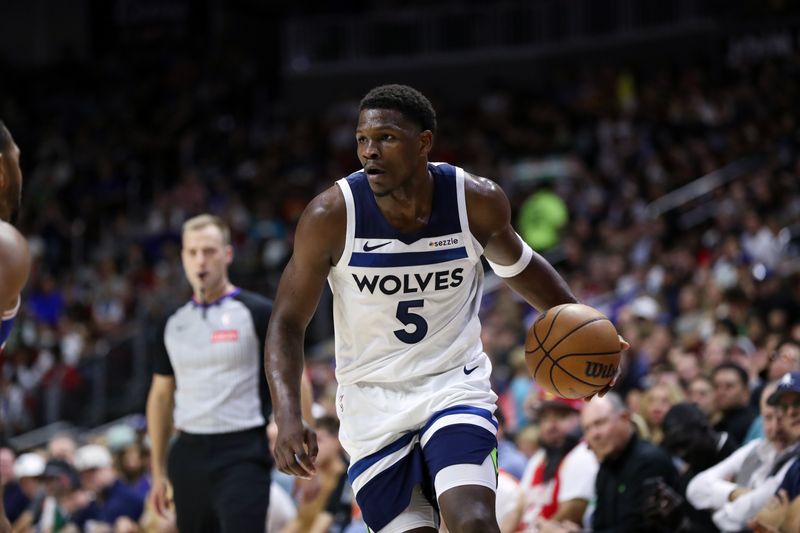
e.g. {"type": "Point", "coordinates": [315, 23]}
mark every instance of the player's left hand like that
{"type": "Point", "coordinates": [623, 346]}
{"type": "Point", "coordinates": [296, 448]}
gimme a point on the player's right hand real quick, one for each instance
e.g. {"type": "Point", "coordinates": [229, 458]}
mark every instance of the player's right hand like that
{"type": "Point", "coordinates": [158, 496]}
{"type": "Point", "coordinates": [296, 449]}
{"type": "Point", "coordinates": [623, 345]}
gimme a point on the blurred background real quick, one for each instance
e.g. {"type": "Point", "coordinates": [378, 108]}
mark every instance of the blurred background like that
{"type": "Point", "coordinates": [650, 150]}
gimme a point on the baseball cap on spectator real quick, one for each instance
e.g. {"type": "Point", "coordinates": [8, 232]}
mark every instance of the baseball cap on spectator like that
{"type": "Point", "coordinates": [645, 307]}
{"type": "Point", "coordinates": [548, 400]}
{"type": "Point", "coordinates": [790, 382]}
{"type": "Point", "coordinates": [29, 465]}
{"type": "Point", "coordinates": [60, 469]}
{"type": "Point", "coordinates": [120, 437]}
{"type": "Point", "coordinates": [92, 456]}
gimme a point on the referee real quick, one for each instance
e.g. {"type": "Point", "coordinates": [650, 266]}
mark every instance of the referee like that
{"type": "Point", "coordinates": [209, 384]}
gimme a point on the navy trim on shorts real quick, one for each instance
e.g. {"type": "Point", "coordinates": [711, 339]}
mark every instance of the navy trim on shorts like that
{"type": "Point", "coordinates": [388, 493]}
{"type": "Point", "coordinates": [361, 465]}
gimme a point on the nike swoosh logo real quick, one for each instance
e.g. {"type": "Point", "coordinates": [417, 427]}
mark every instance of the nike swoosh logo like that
{"type": "Point", "coordinates": [368, 248]}
{"type": "Point", "coordinates": [471, 370]}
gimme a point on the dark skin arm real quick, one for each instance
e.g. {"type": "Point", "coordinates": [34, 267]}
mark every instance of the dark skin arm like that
{"type": "Point", "coordinates": [15, 264]}
{"type": "Point", "coordinates": [490, 222]}
{"type": "Point", "coordinates": [319, 240]}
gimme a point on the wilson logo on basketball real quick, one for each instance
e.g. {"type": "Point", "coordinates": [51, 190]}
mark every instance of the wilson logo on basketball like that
{"type": "Point", "coordinates": [225, 335]}
{"type": "Point", "coordinates": [599, 370]}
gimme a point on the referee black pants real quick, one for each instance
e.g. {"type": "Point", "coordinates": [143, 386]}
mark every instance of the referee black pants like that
{"type": "Point", "coordinates": [221, 482]}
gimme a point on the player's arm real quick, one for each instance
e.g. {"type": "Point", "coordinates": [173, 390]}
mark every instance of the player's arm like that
{"type": "Point", "coordinates": [15, 264]}
{"type": "Point", "coordinates": [160, 405]}
{"type": "Point", "coordinates": [524, 270]}
{"type": "Point", "coordinates": [317, 245]}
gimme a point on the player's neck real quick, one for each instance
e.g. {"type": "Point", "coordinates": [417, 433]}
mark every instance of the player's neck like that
{"type": "Point", "coordinates": [409, 207]}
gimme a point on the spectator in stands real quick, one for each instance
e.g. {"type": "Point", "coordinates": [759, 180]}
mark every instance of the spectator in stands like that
{"type": "Point", "coordinates": [7, 458]}
{"type": "Point", "coordinates": [732, 399]}
{"type": "Point", "coordinates": [701, 393]}
{"type": "Point", "coordinates": [781, 513]}
{"type": "Point", "coordinates": [527, 440]}
{"type": "Point", "coordinates": [62, 446]}
{"type": "Point", "coordinates": [19, 492]}
{"type": "Point", "coordinates": [786, 358]}
{"type": "Point", "coordinates": [542, 216]}
{"type": "Point", "coordinates": [113, 498]}
{"type": "Point", "coordinates": [689, 437]}
{"type": "Point", "coordinates": [626, 464]}
{"type": "Point", "coordinates": [509, 502]}
{"type": "Point", "coordinates": [655, 403]}
{"type": "Point", "coordinates": [733, 489]}
{"type": "Point", "coordinates": [63, 500]}
{"type": "Point", "coordinates": [509, 458]}
{"type": "Point", "coordinates": [130, 458]}
{"type": "Point", "coordinates": [558, 482]}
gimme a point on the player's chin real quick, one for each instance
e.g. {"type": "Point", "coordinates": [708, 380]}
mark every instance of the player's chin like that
{"type": "Point", "coordinates": [378, 183]}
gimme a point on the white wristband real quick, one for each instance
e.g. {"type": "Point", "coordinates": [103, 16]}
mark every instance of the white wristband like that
{"type": "Point", "coordinates": [509, 271]}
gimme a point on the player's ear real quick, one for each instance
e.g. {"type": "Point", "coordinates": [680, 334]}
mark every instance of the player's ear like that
{"type": "Point", "coordinates": [228, 254]}
{"type": "Point", "coordinates": [425, 142]}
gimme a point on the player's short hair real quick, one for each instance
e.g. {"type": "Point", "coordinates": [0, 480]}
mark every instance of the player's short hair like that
{"type": "Point", "coordinates": [201, 221]}
{"type": "Point", "coordinates": [409, 101]}
{"type": "Point", "coordinates": [5, 137]}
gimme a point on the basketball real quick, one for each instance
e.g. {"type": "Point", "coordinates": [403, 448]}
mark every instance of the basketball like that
{"type": "Point", "coordinates": [572, 350]}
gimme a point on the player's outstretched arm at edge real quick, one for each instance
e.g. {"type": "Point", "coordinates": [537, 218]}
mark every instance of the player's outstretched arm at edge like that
{"type": "Point", "coordinates": [318, 241]}
{"type": "Point", "coordinates": [531, 276]}
{"type": "Point", "coordinates": [15, 264]}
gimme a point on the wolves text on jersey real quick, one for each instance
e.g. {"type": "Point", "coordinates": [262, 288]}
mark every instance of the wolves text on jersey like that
{"type": "Point", "coordinates": [410, 283]}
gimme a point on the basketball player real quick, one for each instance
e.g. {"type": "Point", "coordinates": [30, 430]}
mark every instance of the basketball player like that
{"type": "Point", "coordinates": [14, 257]}
{"type": "Point", "coordinates": [400, 243]}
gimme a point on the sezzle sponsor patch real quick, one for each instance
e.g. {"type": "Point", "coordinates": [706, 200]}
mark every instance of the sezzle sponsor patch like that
{"type": "Point", "coordinates": [225, 335]}
{"type": "Point", "coordinates": [448, 242]}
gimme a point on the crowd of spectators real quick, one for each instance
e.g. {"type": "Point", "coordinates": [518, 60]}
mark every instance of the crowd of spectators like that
{"type": "Point", "coordinates": [708, 293]}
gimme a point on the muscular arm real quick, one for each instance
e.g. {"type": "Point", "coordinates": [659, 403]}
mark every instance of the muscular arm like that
{"type": "Point", "coordinates": [490, 222]}
{"type": "Point", "coordinates": [318, 244]}
{"type": "Point", "coordinates": [15, 265]}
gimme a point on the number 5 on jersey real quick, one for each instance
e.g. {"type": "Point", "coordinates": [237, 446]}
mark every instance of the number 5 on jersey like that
{"type": "Point", "coordinates": [408, 318]}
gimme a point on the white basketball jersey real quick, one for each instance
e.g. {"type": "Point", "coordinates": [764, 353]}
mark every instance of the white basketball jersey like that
{"type": "Point", "coordinates": [406, 304]}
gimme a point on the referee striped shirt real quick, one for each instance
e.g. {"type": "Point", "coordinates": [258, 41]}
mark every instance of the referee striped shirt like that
{"type": "Point", "coordinates": [215, 352]}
